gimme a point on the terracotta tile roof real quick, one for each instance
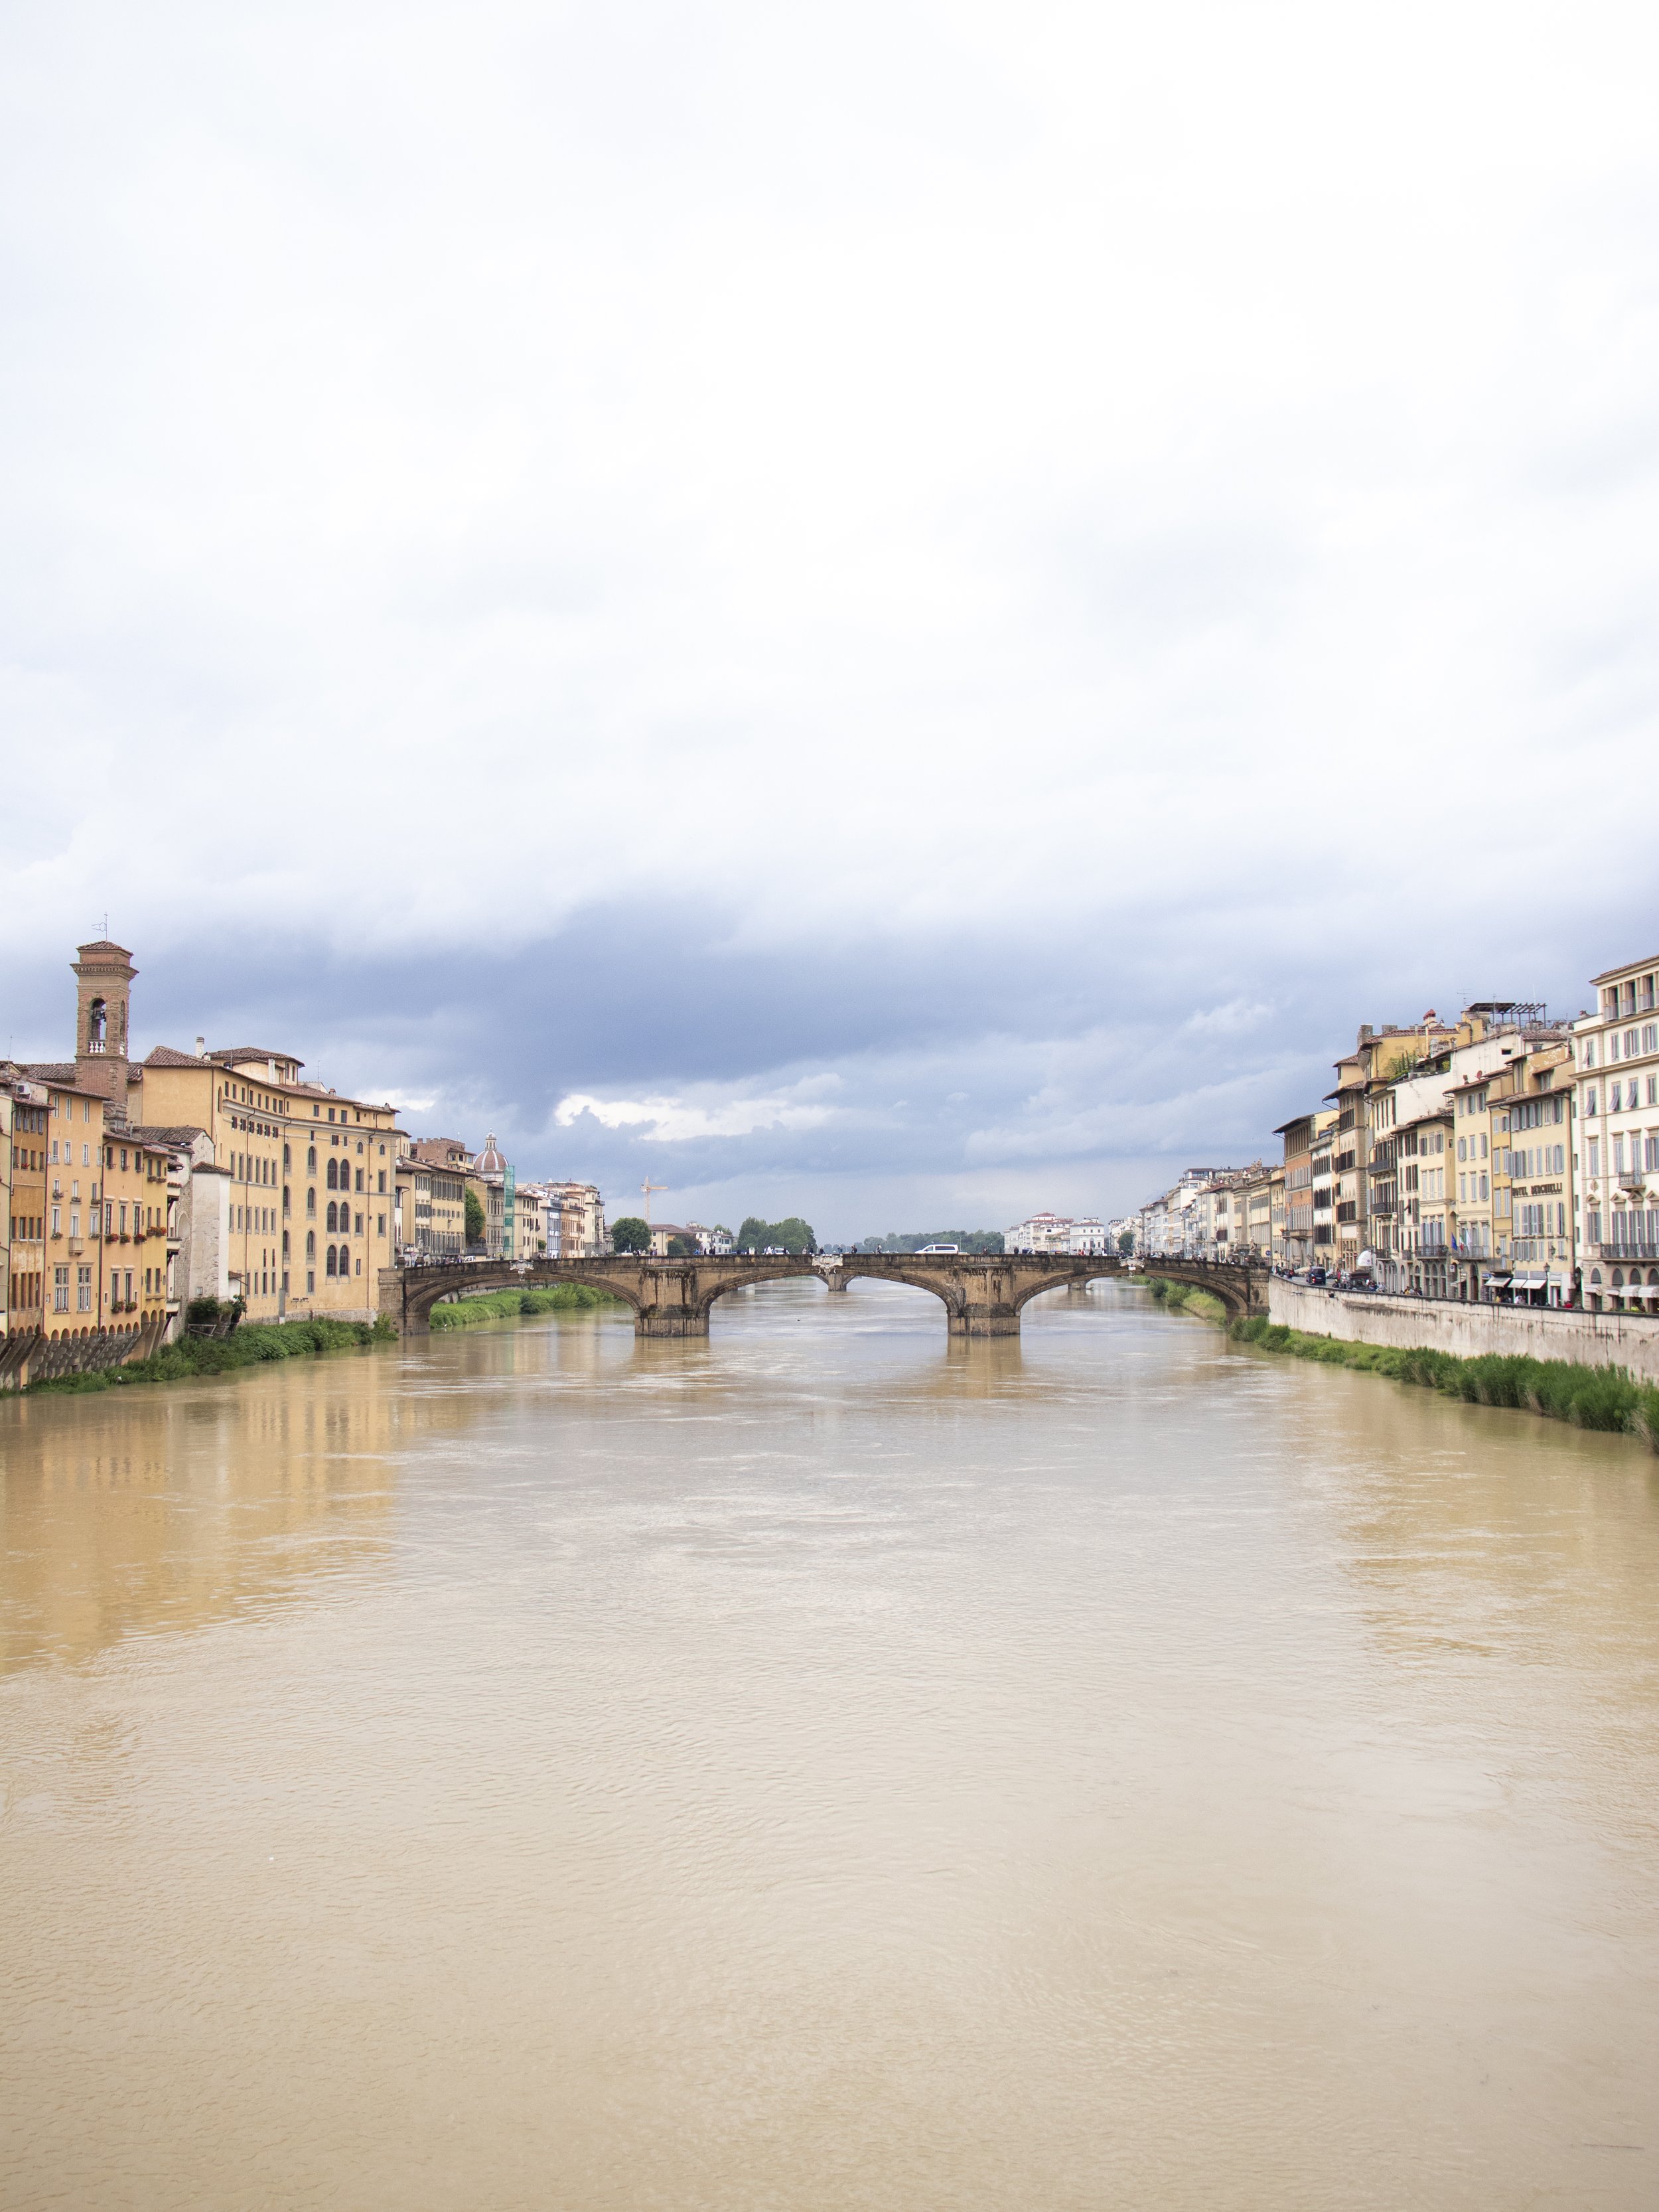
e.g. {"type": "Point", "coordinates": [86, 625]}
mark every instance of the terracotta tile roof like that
{"type": "Point", "coordinates": [163, 1055]}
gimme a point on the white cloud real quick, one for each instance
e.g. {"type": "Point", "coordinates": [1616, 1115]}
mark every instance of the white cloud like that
{"type": "Point", "coordinates": [1179, 425]}
{"type": "Point", "coordinates": [677, 1121]}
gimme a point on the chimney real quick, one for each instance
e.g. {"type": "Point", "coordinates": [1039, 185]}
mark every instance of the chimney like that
{"type": "Point", "coordinates": [201, 1047]}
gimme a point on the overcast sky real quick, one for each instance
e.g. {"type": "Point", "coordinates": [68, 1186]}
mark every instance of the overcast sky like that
{"type": "Point", "coordinates": [894, 612]}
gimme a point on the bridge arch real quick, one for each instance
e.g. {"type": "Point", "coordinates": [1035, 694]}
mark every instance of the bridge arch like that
{"type": "Point", "coordinates": [419, 1296]}
{"type": "Point", "coordinates": [1240, 1290]}
{"type": "Point", "coordinates": [749, 1277]}
{"type": "Point", "coordinates": [951, 1296]}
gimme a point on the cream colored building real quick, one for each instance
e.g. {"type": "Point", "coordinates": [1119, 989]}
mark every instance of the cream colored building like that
{"type": "Point", "coordinates": [579, 1210]}
{"type": "Point", "coordinates": [1616, 1065]}
{"type": "Point", "coordinates": [530, 1229]}
{"type": "Point", "coordinates": [432, 1198]}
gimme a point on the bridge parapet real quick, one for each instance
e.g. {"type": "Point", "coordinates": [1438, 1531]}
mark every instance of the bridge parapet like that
{"type": "Point", "coordinates": [982, 1294]}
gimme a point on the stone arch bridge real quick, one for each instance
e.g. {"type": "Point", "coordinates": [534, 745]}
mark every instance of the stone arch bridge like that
{"type": "Point", "coordinates": [982, 1294]}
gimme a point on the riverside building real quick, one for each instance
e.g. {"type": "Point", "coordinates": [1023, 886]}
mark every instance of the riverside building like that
{"type": "Point", "coordinates": [1616, 1055]}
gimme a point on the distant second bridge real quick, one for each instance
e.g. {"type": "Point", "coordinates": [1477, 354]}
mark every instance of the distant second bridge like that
{"type": "Point", "coordinates": [983, 1294]}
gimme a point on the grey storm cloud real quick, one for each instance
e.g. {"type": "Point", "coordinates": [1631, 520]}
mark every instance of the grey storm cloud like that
{"type": "Point", "coordinates": [905, 609]}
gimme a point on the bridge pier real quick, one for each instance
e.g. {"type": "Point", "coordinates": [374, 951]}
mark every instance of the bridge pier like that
{"type": "Point", "coordinates": [987, 1321]}
{"type": "Point", "coordinates": [674, 1322]}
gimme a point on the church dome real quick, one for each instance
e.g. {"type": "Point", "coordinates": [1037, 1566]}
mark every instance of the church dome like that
{"type": "Point", "coordinates": [489, 1161]}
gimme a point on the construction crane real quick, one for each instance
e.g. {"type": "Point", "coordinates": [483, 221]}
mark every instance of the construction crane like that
{"type": "Point", "coordinates": [648, 1186]}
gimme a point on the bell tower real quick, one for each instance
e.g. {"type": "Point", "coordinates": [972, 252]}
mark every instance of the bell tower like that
{"type": "Point", "coordinates": [103, 978]}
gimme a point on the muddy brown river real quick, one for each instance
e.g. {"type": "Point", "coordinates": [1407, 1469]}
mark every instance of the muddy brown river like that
{"type": "Point", "coordinates": [826, 1769]}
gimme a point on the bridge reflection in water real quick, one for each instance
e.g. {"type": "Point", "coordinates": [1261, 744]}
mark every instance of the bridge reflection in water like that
{"type": "Point", "coordinates": [982, 1294]}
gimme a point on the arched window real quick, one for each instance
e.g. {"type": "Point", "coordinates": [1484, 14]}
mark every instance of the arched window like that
{"type": "Point", "coordinates": [311, 1243]}
{"type": "Point", "coordinates": [333, 1176]}
{"type": "Point", "coordinates": [311, 1160]}
{"type": "Point", "coordinates": [97, 1025]}
{"type": "Point", "coordinates": [330, 1268]}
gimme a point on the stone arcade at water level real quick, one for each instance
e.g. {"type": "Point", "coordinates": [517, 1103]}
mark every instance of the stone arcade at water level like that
{"type": "Point", "coordinates": [982, 1294]}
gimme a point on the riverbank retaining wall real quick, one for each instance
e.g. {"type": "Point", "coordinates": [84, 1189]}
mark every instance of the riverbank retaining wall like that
{"type": "Point", "coordinates": [1588, 1339]}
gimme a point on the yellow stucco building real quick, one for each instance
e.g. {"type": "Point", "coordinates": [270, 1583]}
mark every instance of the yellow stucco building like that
{"type": "Point", "coordinates": [311, 1187]}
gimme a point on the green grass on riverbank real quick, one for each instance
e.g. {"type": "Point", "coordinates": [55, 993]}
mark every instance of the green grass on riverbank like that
{"type": "Point", "coordinates": [506, 1305]}
{"type": "Point", "coordinates": [251, 1345]}
{"type": "Point", "coordinates": [1588, 1397]}
{"type": "Point", "coordinates": [1185, 1297]}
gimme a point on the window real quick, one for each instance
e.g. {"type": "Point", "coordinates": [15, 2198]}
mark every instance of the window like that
{"type": "Point", "coordinates": [311, 1160]}
{"type": "Point", "coordinates": [332, 1222]}
{"type": "Point", "coordinates": [311, 1243]}
{"type": "Point", "coordinates": [310, 1202]}
{"type": "Point", "coordinates": [84, 1289]}
{"type": "Point", "coordinates": [329, 1268]}
{"type": "Point", "coordinates": [60, 1290]}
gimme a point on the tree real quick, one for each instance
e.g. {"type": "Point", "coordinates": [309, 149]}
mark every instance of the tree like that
{"type": "Point", "coordinates": [1126, 1241]}
{"type": "Point", "coordinates": [630, 1234]}
{"type": "Point", "coordinates": [475, 1218]}
{"type": "Point", "coordinates": [790, 1234]}
{"type": "Point", "coordinates": [681, 1248]}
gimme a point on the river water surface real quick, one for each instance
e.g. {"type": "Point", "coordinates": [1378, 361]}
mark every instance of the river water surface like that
{"type": "Point", "coordinates": [825, 1767]}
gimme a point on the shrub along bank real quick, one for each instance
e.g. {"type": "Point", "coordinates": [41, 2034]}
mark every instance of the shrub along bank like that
{"type": "Point", "coordinates": [1185, 1297]}
{"type": "Point", "coordinates": [250, 1345]}
{"type": "Point", "coordinates": [505, 1305]}
{"type": "Point", "coordinates": [1588, 1397]}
